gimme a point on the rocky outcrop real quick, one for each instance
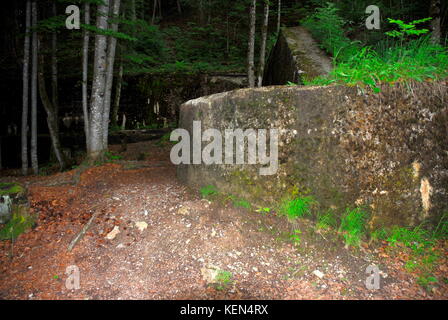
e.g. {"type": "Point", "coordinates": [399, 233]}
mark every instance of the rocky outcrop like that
{"type": "Point", "coordinates": [295, 56]}
{"type": "Point", "coordinates": [346, 146]}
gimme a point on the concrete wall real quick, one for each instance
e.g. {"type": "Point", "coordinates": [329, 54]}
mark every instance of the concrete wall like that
{"type": "Point", "coordinates": [344, 145]}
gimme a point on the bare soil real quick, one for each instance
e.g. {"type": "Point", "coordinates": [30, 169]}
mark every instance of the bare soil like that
{"type": "Point", "coordinates": [185, 238]}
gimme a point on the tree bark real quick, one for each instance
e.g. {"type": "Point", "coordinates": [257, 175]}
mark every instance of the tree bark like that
{"type": "Point", "coordinates": [117, 98]}
{"type": "Point", "coordinates": [434, 12]}
{"type": "Point", "coordinates": [34, 159]}
{"type": "Point", "coordinates": [54, 68]}
{"type": "Point", "coordinates": [50, 109]}
{"type": "Point", "coordinates": [85, 64]}
{"type": "Point", "coordinates": [251, 50]}
{"type": "Point", "coordinates": [179, 8]}
{"type": "Point", "coordinates": [154, 9]}
{"type": "Point", "coordinates": [110, 73]}
{"type": "Point", "coordinates": [279, 15]}
{"type": "Point", "coordinates": [95, 147]}
{"type": "Point", "coordinates": [264, 33]}
{"type": "Point", "coordinates": [26, 80]}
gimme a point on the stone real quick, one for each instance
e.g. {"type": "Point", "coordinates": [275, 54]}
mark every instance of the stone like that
{"type": "Point", "coordinates": [141, 225]}
{"type": "Point", "coordinates": [318, 274]}
{"type": "Point", "coordinates": [111, 235]}
{"type": "Point", "coordinates": [338, 144]}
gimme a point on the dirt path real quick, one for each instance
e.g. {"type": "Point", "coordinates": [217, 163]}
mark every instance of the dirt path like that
{"type": "Point", "coordinates": [182, 241]}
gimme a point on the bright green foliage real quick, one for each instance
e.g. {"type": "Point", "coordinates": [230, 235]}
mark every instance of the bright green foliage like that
{"type": "Point", "coordinates": [353, 226]}
{"type": "Point", "coordinates": [207, 191]}
{"type": "Point", "coordinates": [16, 226]}
{"type": "Point", "coordinates": [7, 188]}
{"type": "Point", "coordinates": [223, 279]}
{"type": "Point", "coordinates": [296, 238]}
{"type": "Point", "coordinates": [297, 208]}
{"type": "Point", "coordinates": [441, 231]}
{"type": "Point", "coordinates": [416, 60]}
{"type": "Point", "coordinates": [110, 156]}
{"type": "Point", "coordinates": [407, 29]}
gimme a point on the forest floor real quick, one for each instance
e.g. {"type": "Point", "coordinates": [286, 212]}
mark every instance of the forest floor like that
{"type": "Point", "coordinates": [172, 243]}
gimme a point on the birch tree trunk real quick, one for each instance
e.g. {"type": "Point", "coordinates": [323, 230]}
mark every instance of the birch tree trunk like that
{"type": "Point", "coordinates": [95, 147]}
{"type": "Point", "coordinates": [251, 50]}
{"type": "Point", "coordinates": [85, 64]}
{"type": "Point", "coordinates": [434, 12]}
{"type": "Point", "coordinates": [279, 15]}
{"type": "Point", "coordinates": [110, 73]}
{"type": "Point", "coordinates": [26, 80]}
{"type": "Point", "coordinates": [34, 160]}
{"type": "Point", "coordinates": [264, 33]}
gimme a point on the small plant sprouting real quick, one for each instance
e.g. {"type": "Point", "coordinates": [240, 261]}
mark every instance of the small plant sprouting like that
{"type": "Point", "coordinates": [223, 279]}
{"type": "Point", "coordinates": [208, 191]}
{"type": "Point", "coordinates": [326, 221]}
{"type": "Point", "coordinates": [296, 238]}
{"type": "Point", "coordinates": [110, 156]}
{"type": "Point", "coordinates": [263, 210]}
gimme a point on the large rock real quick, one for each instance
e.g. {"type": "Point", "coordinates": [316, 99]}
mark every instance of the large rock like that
{"type": "Point", "coordinates": [295, 56]}
{"type": "Point", "coordinates": [12, 195]}
{"type": "Point", "coordinates": [346, 146]}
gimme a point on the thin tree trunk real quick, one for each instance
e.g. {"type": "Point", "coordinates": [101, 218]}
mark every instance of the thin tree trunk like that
{"type": "Point", "coordinates": [110, 73]}
{"type": "Point", "coordinates": [179, 8]}
{"type": "Point", "coordinates": [264, 33]}
{"type": "Point", "coordinates": [34, 160]}
{"type": "Point", "coordinates": [251, 50]}
{"type": "Point", "coordinates": [96, 148]}
{"type": "Point", "coordinates": [54, 68]}
{"type": "Point", "coordinates": [52, 119]}
{"type": "Point", "coordinates": [160, 9]}
{"type": "Point", "coordinates": [26, 80]}
{"type": "Point", "coordinates": [201, 12]}
{"type": "Point", "coordinates": [434, 12]}
{"type": "Point", "coordinates": [279, 15]}
{"type": "Point", "coordinates": [154, 9]}
{"type": "Point", "coordinates": [85, 66]}
{"type": "Point", "coordinates": [116, 106]}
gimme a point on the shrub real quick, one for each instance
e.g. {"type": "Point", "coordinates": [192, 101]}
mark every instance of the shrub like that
{"type": "Point", "coordinates": [353, 226]}
{"type": "Point", "coordinates": [297, 208]}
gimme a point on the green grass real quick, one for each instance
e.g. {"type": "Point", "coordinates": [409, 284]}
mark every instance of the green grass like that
{"type": "Point", "coordinates": [241, 203]}
{"type": "Point", "coordinates": [353, 226]}
{"type": "Point", "coordinates": [208, 191]}
{"type": "Point", "coordinates": [417, 60]}
{"type": "Point", "coordinates": [297, 208]}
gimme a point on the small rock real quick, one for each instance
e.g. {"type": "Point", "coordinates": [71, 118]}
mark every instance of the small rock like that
{"type": "Point", "coordinates": [120, 246]}
{"type": "Point", "coordinates": [318, 274]}
{"type": "Point", "coordinates": [111, 235]}
{"type": "Point", "coordinates": [183, 211]}
{"type": "Point", "coordinates": [141, 225]}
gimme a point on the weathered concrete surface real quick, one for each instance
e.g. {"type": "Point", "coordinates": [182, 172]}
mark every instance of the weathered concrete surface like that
{"type": "Point", "coordinates": [295, 56]}
{"type": "Point", "coordinates": [347, 148]}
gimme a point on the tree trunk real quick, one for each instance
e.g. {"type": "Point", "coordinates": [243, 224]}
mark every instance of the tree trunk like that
{"type": "Point", "coordinates": [95, 147]}
{"type": "Point", "coordinates": [54, 68]}
{"type": "Point", "coordinates": [434, 12]}
{"type": "Point", "coordinates": [110, 73]}
{"type": "Point", "coordinates": [160, 10]}
{"type": "Point", "coordinates": [85, 64]}
{"type": "Point", "coordinates": [26, 80]}
{"type": "Point", "coordinates": [251, 50]}
{"type": "Point", "coordinates": [34, 160]}
{"type": "Point", "coordinates": [264, 33]}
{"type": "Point", "coordinates": [154, 9]}
{"type": "Point", "coordinates": [117, 95]}
{"type": "Point", "coordinates": [279, 15]}
{"type": "Point", "coordinates": [52, 119]}
{"type": "Point", "coordinates": [179, 8]}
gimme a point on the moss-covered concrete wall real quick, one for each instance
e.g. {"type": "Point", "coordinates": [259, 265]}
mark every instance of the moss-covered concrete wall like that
{"type": "Point", "coordinates": [295, 56]}
{"type": "Point", "coordinates": [344, 145]}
